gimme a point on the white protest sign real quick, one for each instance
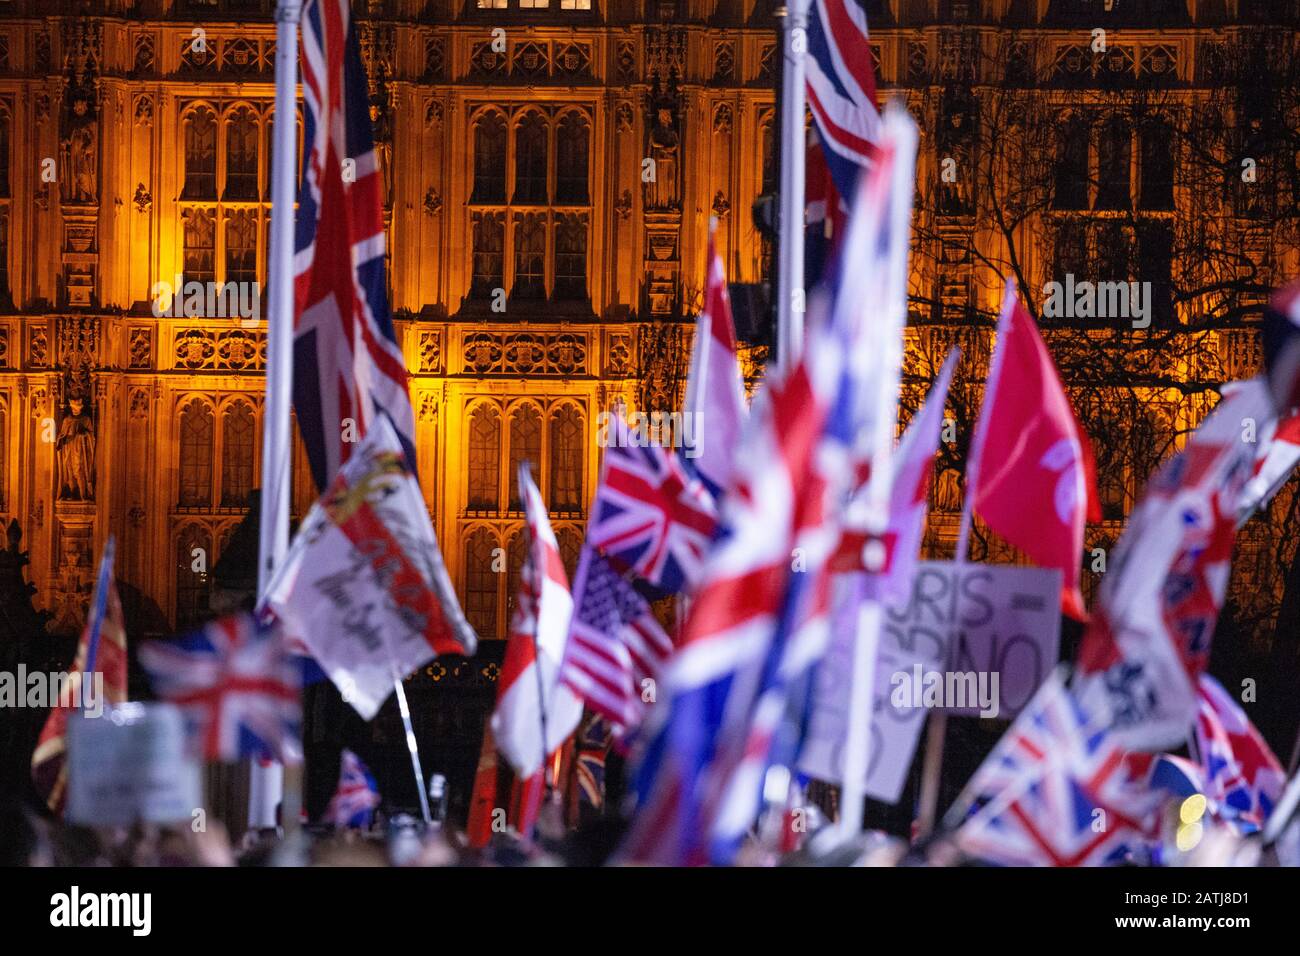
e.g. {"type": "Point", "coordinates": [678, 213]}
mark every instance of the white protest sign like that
{"type": "Point", "coordinates": [1001, 627]}
{"type": "Point", "coordinates": [130, 765]}
{"type": "Point", "coordinates": [957, 630]}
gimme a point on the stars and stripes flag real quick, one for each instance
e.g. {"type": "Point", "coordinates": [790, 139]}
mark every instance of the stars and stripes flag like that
{"type": "Point", "coordinates": [354, 802]}
{"type": "Point", "coordinates": [715, 391]}
{"type": "Point", "coordinates": [101, 650]}
{"type": "Point", "coordinates": [237, 685]}
{"type": "Point", "coordinates": [1039, 796]}
{"type": "Point", "coordinates": [364, 586]}
{"type": "Point", "coordinates": [1149, 637]}
{"type": "Point", "coordinates": [1276, 460]}
{"type": "Point", "coordinates": [841, 83]}
{"type": "Point", "coordinates": [1242, 776]}
{"type": "Point", "coordinates": [616, 643]}
{"type": "Point", "coordinates": [734, 698]}
{"type": "Point", "coordinates": [530, 696]}
{"type": "Point", "coordinates": [348, 368]}
{"type": "Point", "coordinates": [649, 516]}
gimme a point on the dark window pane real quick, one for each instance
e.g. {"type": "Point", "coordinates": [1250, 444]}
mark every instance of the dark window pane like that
{"type": "Point", "coordinates": [530, 160]}
{"type": "Point", "coordinates": [490, 159]}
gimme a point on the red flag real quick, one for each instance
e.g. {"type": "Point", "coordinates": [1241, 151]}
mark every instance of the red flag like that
{"type": "Point", "coordinates": [1031, 464]}
{"type": "Point", "coordinates": [102, 650]}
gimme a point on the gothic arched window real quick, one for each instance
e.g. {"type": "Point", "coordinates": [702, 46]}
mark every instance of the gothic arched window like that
{"type": "Point", "coordinates": [1071, 187]}
{"type": "Point", "coordinates": [768, 184]}
{"type": "Point", "coordinates": [489, 248]}
{"type": "Point", "coordinates": [530, 256]}
{"type": "Point", "coordinates": [571, 159]}
{"type": "Point", "coordinates": [516, 554]}
{"type": "Point", "coordinates": [193, 559]}
{"type": "Point", "coordinates": [484, 459]}
{"type": "Point", "coordinates": [196, 455]}
{"type": "Point", "coordinates": [525, 445]}
{"type": "Point", "coordinates": [238, 429]}
{"type": "Point", "coordinates": [200, 155]}
{"type": "Point", "coordinates": [241, 246]}
{"type": "Point", "coordinates": [481, 582]}
{"type": "Point", "coordinates": [570, 256]}
{"type": "Point", "coordinates": [4, 154]}
{"type": "Point", "coordinates": [199, 255]}
{"type": "Point", "coordinates": [530, 159]}
{"type": "Point", "coordinates": [490, 159]}
{"type": "Point", "coordinates": [570, 548]}
{"type": "Point", "coordinates": [241, 155]}
{"type": "Point", "coordinates": [565, 491]}
{"type": "Point", "coordinates": [1114, 152]}
{"type": "Point", "coordinates": [4, 448]}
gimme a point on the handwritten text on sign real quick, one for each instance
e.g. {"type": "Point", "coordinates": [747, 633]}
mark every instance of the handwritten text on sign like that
{"type": "Point", "coordinates": [984, 619]}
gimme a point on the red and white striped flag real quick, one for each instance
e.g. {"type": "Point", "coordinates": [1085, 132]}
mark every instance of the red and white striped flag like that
{"type": "Point", "coordinates": [530, 695]}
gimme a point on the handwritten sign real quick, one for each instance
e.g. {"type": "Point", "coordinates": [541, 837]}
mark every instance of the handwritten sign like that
{"type": "Point", "coordinates": [130, 765]}
{"type": "Point", "coordinates": [973, 619]}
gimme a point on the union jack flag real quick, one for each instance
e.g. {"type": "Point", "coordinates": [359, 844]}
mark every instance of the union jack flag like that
{"type": "Point", "coordinates": [1242, 776]}
{"type": "Point", "coordinates": [591, 750]}
{"type": "Point", "coordinates": [347, 364]}
{"type": "Point", "coordinates": [649, 516]}
{"type": "Point", "coordinates": [615, 641]}
{"type": "Point", "coordinates": [738, 689]}
{"type": "Point", "coordinates": [841, 84]}
{"type": "Point", "coordinates": [354, 802]}
{"type": "Point", "coordinates": [237, 683]}
{"type": "Point", "coordinates": [1057, 790]}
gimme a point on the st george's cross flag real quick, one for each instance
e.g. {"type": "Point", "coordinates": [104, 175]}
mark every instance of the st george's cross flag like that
{"type": "Point", "coordinates": [101, 651]}
{"type": "Point", "coordinates": [348, 369]}
{"type": "Point", "coordinates": [1030, 461]}
{"type": "Point", "coordinates": [1149, 638]}
{"type": "Point", "coordinates": [715, 391]}
{"type": "Point", "coordinates": [237, 684]}
{"type": "Point", "coordinates": [530, 696]}
{"type": "Point", "coordinates": [363, 585]}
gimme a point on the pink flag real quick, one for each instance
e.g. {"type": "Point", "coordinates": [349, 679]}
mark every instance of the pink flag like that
{"type": "Point", "coordinates": [530, 694]}
{"type": "Point", "coordinates": [1030, 461]}
{"type": "Point", "coordinates": [715, 392]}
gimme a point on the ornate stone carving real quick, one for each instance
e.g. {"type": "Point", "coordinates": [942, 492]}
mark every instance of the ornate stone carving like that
{"type": "Point", "coordinates": [233, 350]}
{"type": "Point", "coordinates": [140, 349]}
{"type": "Point", "coordinates": [526, 353]}
{"type": "Point", "coordinates": [143, 199]}
{"type": "Point", "coordinates": [430, 350]}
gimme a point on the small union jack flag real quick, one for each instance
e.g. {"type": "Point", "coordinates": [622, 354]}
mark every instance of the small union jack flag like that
{"type": "Point", "coordinates": [237, 684]}
{"type": "Point", "coordinates": [1057, 790]}
{"type": "Point", "coordinates": [353, 804]}
{"type": "Point", "coordinates": [649, 516]}
{"type": "Point", "coordinates": [1242, 775]}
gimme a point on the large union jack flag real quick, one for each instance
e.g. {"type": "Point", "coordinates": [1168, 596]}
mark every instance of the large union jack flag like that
{"type": "Point", "coordinates": [237, 684]}
{"type": "Point", "coordinates": [1057, 790]}
{"type": "Point", "coordinates": [347, 364]}
{"type": "Point", "coordinates": [649, 516]}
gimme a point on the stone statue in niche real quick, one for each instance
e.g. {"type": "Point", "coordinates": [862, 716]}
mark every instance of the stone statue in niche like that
{"type": "Point", "coordinates": [665, 145]}
{"type": "Point", "coordinates": [79, 183]}
{"type": "Point", "coordinates": [75, 448]}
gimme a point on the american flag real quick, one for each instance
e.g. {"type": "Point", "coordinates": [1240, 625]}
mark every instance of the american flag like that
{"type": "Point", "coordinates": [347, 364]}
{"type": "Point", "coordinates": [1242, 776]}
{"type": "Point", "coordinates": [1057, 790]}
{"type": "Point", "coordinates": [738, 689]}
{"type": "Point", "coordinates": [649, 516]}
{"type": "Point", "coordinates": [841, 84]}
{"type": "Point", "coordinates": [237, 683]}
{"type": "Point", "coordinates": [354, 802]}
{"type": "Point", "coordinates": [615, 641]}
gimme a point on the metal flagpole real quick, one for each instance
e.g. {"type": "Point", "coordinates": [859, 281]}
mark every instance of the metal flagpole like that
{"type": "Point", "coordinates": [937, 732]}
{"type": "Point", "coordinates": [267, 785]}
{"type": "Point", "coordinates": [790, 217]}
{"type": "Point", "coordinates": [414, 750]}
